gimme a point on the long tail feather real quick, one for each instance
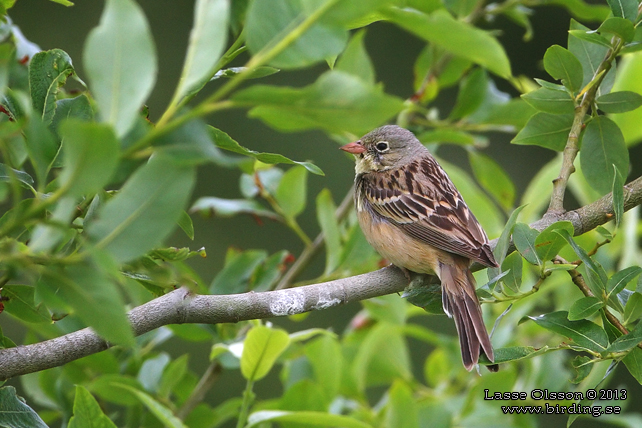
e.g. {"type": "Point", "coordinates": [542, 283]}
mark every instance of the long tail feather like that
{"type": "Point", "coordinates": [460, 303]}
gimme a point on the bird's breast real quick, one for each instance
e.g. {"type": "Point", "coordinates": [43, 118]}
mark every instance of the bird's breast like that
{"type": "Point", "coordinates": [397, 247]}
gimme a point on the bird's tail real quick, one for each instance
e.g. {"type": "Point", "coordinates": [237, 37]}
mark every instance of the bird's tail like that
{"type": "Point", "coordinates": [460, 302]}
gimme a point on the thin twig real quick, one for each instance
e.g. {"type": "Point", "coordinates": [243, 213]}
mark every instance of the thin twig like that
{"type": "Point", "coordinates": [205, 384]}
{"type": "Point", "coordinates": [578, 280]}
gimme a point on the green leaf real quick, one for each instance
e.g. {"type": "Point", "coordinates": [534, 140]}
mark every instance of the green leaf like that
{"type": "Point", "coordinates": [493, 179]}
{"type": "Point", "coordinates": [618, 196]}
{"type": "Point", "coordinates": [306, 418]}
{"type": "Point", "coordinates": [7, 174]}
{"type": "Point", "coordinates": [225, 142]}
{"type": "Point", "coordinates": [582, 365]}
{"type": "Point", "coordinates": [42, 148]}
{"type": "Point", "coordinates": [14, 413]}
{"type": "Point", "coordinates": [326, 216]}
{"type": "Point", "coordinates": [270, 271]}
{"type": "Point", "coordinates": [633, 308]}
{"type": "Point", "coordinates": [355, 59]}
{"type": "Point", "coordinates": [19, 302]}
{"type": "Point", "coordinates": [503, 242]}
{"type": "Point", "coordinates": [120, 61]}
{"type": "Point", "coordinates": [231, 207]}
{"type": "Point", "coordinates": [456, 37]}
{"type": "Point", "coordinates": [546, 130]}
{"type": "Point", "coordinates": [90, 157]}
{"type": "Point", "coordinates": [427, 298]}
{"type": "Point", "coordinates": [596, 275]}
{"type": "Point", "coordinates": [460, 8]}
{"type": "Point", "coordinates": [584, 11]}
{"type": "Point", "coordinates": [268, 22]}
{"type": "Point", "coordinates": [336, 102]}
{"type": "Point", "coordinates": [72, 108]}
{"type": "Point", "coordinates": [151, 370]}
{"type": "Point", "coordinates": [591, 56]}
{"type": "Point", "coordinates": [185, 223]}
{"type": "Point", "coordinates": [584, 334]}
{"type": "Point", "coordinates": [619, 102]}
{"type": "Point", "coordinates": [292, 190]}
{"type": "Point", "coordinates": [590, 36]}
{"type": "Point", "coordinates": [145, 211]}
{"type": "Point", "coordinates": [624, 8]}
{"type": "Point", "coordinates": [584, 308]}
{"type": "Point", "coordinates": [45, 237]}
{"type": "Point", "coordinates": [162, 413]}
{"type": "Point", "coordinates": [628, 70]}
{"type": "Point", "coordinates": [548, 243]}
{"type": "Point", "coordinates": [562, 65]}
{"type": "Point", "coordinates": [382, 357]}
{"type": "Point", "coordinates": [90, 290]}
{"type": "Point", "coordinates": [550, 101]}
{"type": "Point", "coordinates": [514, 353]}
{"type": "Point", "coordinates": [524, 238]}
{"type": "Point", "coordinates": [109, 387]}
{"type": "Point", "coordinates": [633, 362]}
{"type": "Point", "coordinates": [401, 408]}
{"type": "Point", "coordinates": [472, 91]}
{"type": "Point", "coordinates": [172, 375]}
{"type": "Point", "coordinates": [602, 147]}
{"type": "Point", "coordinates": [621, 27]}
{"type": "Point", "coordinates": [513, 265]}
{"type": "Point", "coordinates": [619, 280]}
{"type": "Point", "coordinates": [48, 71]}
{"type": "Point", "coordinates": [327, 361]}
{"type": "Point", "coordinates": [452, 136]}
{"type": "Point", "coordinates": [191, 144]}
{"type": "Point", "coordinates": [239, 268]}
{"type": "Point", "coordinates": [627, 341]}
{"type": "Point", "coordinates": [305, 395]}
{"type": "Point", "coordinates": [87, 412]}
{"type": "Point", "coordinates": [206, 43]}
{"type": "Point", "coordinates": [261, 348]}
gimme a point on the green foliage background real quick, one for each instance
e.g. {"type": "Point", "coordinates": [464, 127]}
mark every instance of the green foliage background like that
{"type": "Point", "coordinates": [92, 191]}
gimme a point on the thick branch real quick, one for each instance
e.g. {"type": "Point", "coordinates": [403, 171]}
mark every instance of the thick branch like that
{"type": "Point", "coordinates": [181, 306]}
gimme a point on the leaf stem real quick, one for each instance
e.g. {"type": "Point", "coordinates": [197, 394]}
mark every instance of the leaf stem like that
{"type": "Point", "coordinates": [248, 397]}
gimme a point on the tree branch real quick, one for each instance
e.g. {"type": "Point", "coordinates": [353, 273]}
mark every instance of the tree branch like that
{"type": "Point", "coordinates": [571, 149]}
{"type": "Point", "coordinates": [181, 306]}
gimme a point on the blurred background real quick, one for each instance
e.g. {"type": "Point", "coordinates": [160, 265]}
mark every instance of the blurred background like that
{"type": "Point", "coordinates": [393, 53]}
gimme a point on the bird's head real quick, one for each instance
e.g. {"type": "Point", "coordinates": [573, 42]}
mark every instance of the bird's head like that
{"type": "Point", "coordinates": [384, 148]}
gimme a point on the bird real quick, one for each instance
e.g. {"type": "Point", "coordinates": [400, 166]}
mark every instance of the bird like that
{"type": "Point", "coordinates": [411, 213]}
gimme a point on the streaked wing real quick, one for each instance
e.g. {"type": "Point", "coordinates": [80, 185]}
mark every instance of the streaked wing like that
{"type": "Point", "coordinates": [422, 201]}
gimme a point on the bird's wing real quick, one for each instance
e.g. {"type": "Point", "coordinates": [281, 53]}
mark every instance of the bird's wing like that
{"type": "Point", "coordinates": [421, 200]}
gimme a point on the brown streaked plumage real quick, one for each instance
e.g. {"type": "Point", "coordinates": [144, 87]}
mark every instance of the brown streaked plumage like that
{"type": "Point", "coordinates": [413, 215]}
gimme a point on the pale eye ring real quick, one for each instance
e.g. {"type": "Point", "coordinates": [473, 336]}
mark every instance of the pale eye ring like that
{"type": "Point", "coordinates": [382, 146]}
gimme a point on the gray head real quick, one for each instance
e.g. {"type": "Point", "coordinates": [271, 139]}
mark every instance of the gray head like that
{"type": "Point", "coordinates": [385, 148]}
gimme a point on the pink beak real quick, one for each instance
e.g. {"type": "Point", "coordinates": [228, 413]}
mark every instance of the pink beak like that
{"type": "Point", "coordinates": [354, 148]}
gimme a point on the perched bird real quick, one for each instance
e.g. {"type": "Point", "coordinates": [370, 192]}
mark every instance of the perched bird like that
{"type": "Point", "coordinates": [413, 215]}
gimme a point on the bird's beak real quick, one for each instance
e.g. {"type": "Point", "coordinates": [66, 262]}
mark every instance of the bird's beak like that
{"type": "Point", "coordinates": [354, 148]}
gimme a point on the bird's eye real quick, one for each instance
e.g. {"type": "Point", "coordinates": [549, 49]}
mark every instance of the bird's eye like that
{"type": "Point", "coordinates": [382, 146]}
